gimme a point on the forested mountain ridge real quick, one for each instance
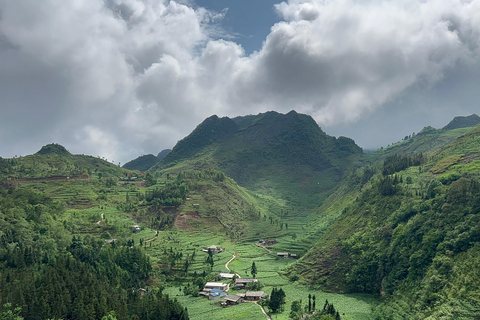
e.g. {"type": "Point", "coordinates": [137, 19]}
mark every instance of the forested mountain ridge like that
{"type": "Point", "coordinates": [411, 235]}
{"type": "Point", "coordinates": [430, 139]}
{"type": "Point", "coordinates": [282, 155]}
{"type": "Point", "coordinates": [54, 160]}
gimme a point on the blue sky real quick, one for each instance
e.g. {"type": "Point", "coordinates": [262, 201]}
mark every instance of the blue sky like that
{"type": "Point", "coordinates": [121, 78]}
{"type": "Point", "coordinates": [247, 21]}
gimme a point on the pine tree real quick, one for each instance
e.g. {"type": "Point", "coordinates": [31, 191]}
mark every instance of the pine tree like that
{"type": "Point", "coordinates": [253, 271]}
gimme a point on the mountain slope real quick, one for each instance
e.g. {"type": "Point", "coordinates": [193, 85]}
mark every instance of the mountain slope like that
{"type": "Point", "coordinates": [411, 237]}
{"type": "Point", "coordinates": [283, 156]}
{"type": "Point", "coordinates": [430, 139]}
{"type": "Point", "coordinates": [142, 163]}
{"type": "Point", "coordinates": [463, 122]}
{"type": "Point", "coordinates": [54, 161]}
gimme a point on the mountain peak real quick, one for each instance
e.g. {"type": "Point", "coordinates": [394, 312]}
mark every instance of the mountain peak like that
{"type": "Point", "coordinates": [54, 148]}
{"type": "Point", "coordinates": [463, 122]}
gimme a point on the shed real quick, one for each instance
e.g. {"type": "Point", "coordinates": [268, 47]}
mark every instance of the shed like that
{"type": "Point", "coordinates": [215, 294]}
{"type": "Point", "coordinates": [231, 299]}
{"type": "Point", "coordinates": [269, 242]}
{"type": "Point", "coordinates": [255, 295]}
{"type": "Point", "coordinates": [226, 275]}
{"type": "Point", "coordinates": [213, 249]}
{"type": "Point", "coordinates": [242, 283]}
{"type": "Point", "coordinates": [282, 254]}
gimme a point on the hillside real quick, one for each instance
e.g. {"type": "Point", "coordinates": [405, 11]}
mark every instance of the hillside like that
{"type": "Point", "coordinates": [410, 236]}
{"type": "Point", "coordinates": [287, 157]}
{"type": "Point", "coordinates": [54, 161]}
{"type": "Point", "coordinates": [142, 163]}
{"type": "Point", "coordinates": [430, 139]}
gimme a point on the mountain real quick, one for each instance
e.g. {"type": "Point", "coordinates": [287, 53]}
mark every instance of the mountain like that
{"type": "Point", "coordinates": [431, 139]}
{"type": "Point", "coordinates": [54, 161]}
{"type": "Point", "coordinates": [463, 122]}
{"type": "Point", "coordinates": [162, 154]}
{"type": "Point", "coordinates": [142, 163]}
{"type": "Point", "coordinates": [285, 156]}
{"type": "Point", "coordinates": [53, 148]}
{"type": "Point", "coordinates": [409, 234]}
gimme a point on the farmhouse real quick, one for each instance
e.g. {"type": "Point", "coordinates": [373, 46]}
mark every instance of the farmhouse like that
{"type": "Point", "coordinates": [255, 295]}
{"type": "Point", "coordinates": [231, 299]}
{"type": "Point", "coordinates": [242, 283]}
{"type": "Point", "coordinates": [269, 242]}
{"type": "Point", "coordinates": [226, 275]}
{"type": "Point", "coordinates": [213, 249]}
{"type": "Point", "coordinates": [215, 285]}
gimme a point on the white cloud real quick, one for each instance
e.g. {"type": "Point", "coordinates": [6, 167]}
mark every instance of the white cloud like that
{"type": "Point", "coordinates": [119, 78]}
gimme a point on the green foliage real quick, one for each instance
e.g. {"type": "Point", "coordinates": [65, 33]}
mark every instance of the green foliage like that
{"type": "Point", "coordinates": [277, 300]}
{"type": "Point", "coordinates": [398, 163]}
{"type": "Point", "coordinates": [53, 148]}
{"type": "Point", "coordinates": [253, 270]}
{"type": "Point", "coordinates": [50, 276]}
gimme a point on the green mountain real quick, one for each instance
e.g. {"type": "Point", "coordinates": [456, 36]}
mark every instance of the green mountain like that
{"type": "Point", "coordinates": [54, 161]}
{"type": "Point", "coordinates": [430, 139]}
{"type": "Point", "coordinates": [162, 154]}
{"type": "Point", "coordinates": [142, 163]}
{"type": "Point", "coordinates": [410, 235]}
{"type": "Point", "coordinates": [284, 156]}
{"type": "Point", "coordinates": [463, 122]}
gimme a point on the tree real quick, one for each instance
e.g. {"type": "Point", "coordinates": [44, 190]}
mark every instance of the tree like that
{"type": "Point", "coordinates": [253, 271]}
{"type": "Point", "coordinates": [209, 259]}
{"type": "Point", "coordinates": [277, 300]}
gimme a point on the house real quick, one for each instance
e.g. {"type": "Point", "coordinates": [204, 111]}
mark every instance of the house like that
{"type": "Point", "coordinates": [231, 299]}
{"type": "Point", "coordinates": [215, 294]}
{"type": "Point", "coordinates": [215, 285]}
{"type": "Point", "coordinates": [242, 283]}
{"type": "Point", "coordinates": [269, 242]}
{"type": "Point", "coordinates": [226, 275]}
{"type": "Point", "coordinates": [255, 295]}
{"type": "Point", "coordinates": [213, 249]}
{"type": "Point", "coordinates": [294, 256]}
{"type": "Point", "coordinates": [282, 254]}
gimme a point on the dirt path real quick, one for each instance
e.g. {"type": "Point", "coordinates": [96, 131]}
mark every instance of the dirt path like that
{"type": "Point", "coordinates": [263, 310]}
{"type": "Point", "coordinates": [269, 251]}
{"type": "Point", "coordinates": [154, 237]}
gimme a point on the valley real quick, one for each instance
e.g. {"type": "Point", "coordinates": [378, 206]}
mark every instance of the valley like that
{"type": "Point", "coordinates": [387, 235]}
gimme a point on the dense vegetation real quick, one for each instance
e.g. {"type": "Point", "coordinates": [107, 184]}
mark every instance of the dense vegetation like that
{"type": "Point", "coordinates": [50, 274]}
{"type": "Point", "coordinates": [409, 236]}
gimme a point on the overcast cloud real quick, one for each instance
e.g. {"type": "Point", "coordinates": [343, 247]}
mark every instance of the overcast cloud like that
{"type": "Point", "coordinates": [120, 78]}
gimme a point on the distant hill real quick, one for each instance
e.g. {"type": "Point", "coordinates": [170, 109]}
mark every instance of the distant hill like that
{"type": "Point", "coordinates": [284, 155]}
{"type": "Point", "coordinates": [142, 163]}
{"type": "Point", "coordinates": [162, 154]}
{"type": "Point", "coordinates": [463, 122]}
{"type": "Point", "coordinates": [53, 148]}
{"type": "Point", "coordinates": [53, 160]}
{"type": "Point", "coordinates": [430, 139]}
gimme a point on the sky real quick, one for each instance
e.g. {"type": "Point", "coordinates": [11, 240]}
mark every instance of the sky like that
{"type": "Point", "coordinates": [123, 78]}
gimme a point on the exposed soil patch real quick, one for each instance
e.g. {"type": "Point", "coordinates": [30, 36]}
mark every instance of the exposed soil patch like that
{"type": "Point", "coordinates": [182, 221]}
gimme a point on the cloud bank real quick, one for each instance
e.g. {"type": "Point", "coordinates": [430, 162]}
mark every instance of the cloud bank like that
{"type": "Point", "coordinates": [119, 78]}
